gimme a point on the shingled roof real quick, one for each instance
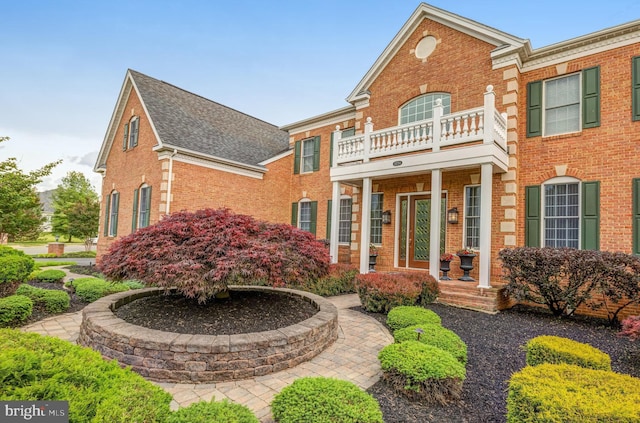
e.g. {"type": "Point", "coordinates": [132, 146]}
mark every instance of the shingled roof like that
{"type": "Point", "coordinates": [188, 121]}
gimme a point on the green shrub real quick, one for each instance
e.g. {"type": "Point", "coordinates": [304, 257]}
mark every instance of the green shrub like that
{"type": "Point", "coordinates": [50, 275]}
{"type": "Point", "coordinates": [422, 372]}
{"type": "Point", "coordinates": [403, 316]}
{"type": "Point", "coordinates": [80, 254]}
{"type": "Point", "coordinates": [45, 368]}
{"type": "Point", "coordinates": [52, 300]}
{"type": "Point", "coordinates": [91, 289]}
{"type": "Point", "coordinates": [380, 292]}
{"type": "Point", "coordinates": [340, 280]}
{"type": "Point", "coordinates": [132, 284]}
{"type": "Point", "coordinates": [565, 393]}
{"type": "Point", "coordinates": [436, 336]}
{"type": "Point", "coordinates": [320, 400]}
{"type": "Point", "coordinates": [556, 350]}
{"type": "Point", "coordinates": [207, 412]}
{"type": "Point", "coordinates": [14, 310]}
{"type": "Point", "coordinates": [15, 267]}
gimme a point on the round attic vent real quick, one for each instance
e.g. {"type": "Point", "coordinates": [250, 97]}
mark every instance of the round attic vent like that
{"type": "Point", "coordinates": [425, 47]}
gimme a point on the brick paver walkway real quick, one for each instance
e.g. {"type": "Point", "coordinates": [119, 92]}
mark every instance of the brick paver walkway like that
{"type": "Point", "coordinates": [352, 357]}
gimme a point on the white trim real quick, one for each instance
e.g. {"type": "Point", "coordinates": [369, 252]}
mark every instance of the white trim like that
{"type": "Point", "coordinates": [333, 117]}
{"type": "Point", "coordinates": [116, 116]}
{"type": "Point", "coordinates": [486, 207]}
{"type": "Point", "coordinates": [276, 158]}
{"type": "Point", "coordinates": [212, 162]}
{"type": "Point", "coordinates": [555, 181]}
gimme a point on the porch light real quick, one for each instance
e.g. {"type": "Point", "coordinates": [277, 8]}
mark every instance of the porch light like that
{"type": "Point", "coordinates": [386, 217]}
{"type": "Point", "coordinates": [452, 216]}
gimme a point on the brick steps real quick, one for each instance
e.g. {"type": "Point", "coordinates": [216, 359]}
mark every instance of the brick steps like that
{"type": "Point", "coordinates": [468, 295]}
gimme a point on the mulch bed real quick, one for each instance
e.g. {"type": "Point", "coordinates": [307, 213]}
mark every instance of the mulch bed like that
{"type": "Point", "coordinates": [494, 354]}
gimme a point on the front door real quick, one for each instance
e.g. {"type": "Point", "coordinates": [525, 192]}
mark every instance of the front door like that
{"type": "Point", "coordinates": [415, 230]}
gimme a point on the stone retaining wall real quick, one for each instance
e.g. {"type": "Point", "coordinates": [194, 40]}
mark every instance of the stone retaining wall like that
{"type": "Point", "coordinates": [174, 357]}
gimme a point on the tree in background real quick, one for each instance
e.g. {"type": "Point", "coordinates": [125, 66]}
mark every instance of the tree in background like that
{"type": "Point", "coordinates": [76, 208]}
{"type": "Point", "coordinates": [20, 209]}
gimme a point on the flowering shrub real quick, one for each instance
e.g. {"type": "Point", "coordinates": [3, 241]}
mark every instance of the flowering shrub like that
{"type": "Point", "coordinates": [446, 257]}
{"type": "Point", "coordinates": [466, 252]}
{"type": "Point", "coordinates": [631, 328]}
{"type": "Point", "coordinates": [202, 252]}
{"type": "Point", "coordinates": [380, 292]}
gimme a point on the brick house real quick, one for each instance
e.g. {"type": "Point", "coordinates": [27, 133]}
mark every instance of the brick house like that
{"type": "Point", "coordinates": [459, 135]}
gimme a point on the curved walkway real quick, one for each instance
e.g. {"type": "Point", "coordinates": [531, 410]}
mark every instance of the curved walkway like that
{"type": "Point", "coordinates": [353, 357]}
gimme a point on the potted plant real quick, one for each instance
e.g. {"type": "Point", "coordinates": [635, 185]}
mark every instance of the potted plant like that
{"type": "Point", "coordinates": [445, 265]}
{"type": "Point", "coordinates": [466, 263]}
{"type": "Point", "coordinates": [373, 258]}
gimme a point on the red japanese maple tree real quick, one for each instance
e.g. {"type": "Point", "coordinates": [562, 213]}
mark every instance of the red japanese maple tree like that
{"type": "Point", "coordinates": [201, 253]}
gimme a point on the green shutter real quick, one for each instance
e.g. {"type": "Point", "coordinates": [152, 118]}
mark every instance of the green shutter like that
{"type": "Point", "coordinates": [591, 215]}
{"type": "Point", "coordinates": [635, 69]}
{"type": "Point", "coordinates": [294, 214]}
{"type": "Point", "coordinates": [534, 109]}
{"type": "Point", "coordinates": [314, 217]}
{"type": "Point", "coordinates": [331, 153]}
{"type": "Point", "coordinates": [316, 154]}
{"type": "Point", "coordinates": [106, 215]}
{"type": "Point", "coordinates": [116, 206]}
{"type": "Point", "coordinates": [636, 216]}
{"type": "Point", "coordinates": [134, 216]}
{"type": "Point", "coordinates": [126, 136]}
{"type": "Point", "coordinates": [147, 216]}
{"type": "Point", "coordinates": [296, 160]}
{"type": "Point", "coordinates": [532, 216]}
{"type": "Point", "coordinates": [591, 97]}
{"type": "Point", "coordinates": [329, 203]}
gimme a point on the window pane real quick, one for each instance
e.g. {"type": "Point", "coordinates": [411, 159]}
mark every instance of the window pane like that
{"type": "Point", "coordinates": [305, 216]}
{"type": "Point", "coordinates": [143, 219]}
{"type": "Point", "coordinates": [472, 217]}
{"type": "Point", "coordinates": [344, 229]}
{"type": "Point", "coordinates": [561, 220]}
{"type": "Point", "coordinates": [376, 219]}
{"type": "Point", "coordinates": [562, 105]}
{"type": "Point", "coordinates": [307, 155]}
{"type": "Point", "coordinates": [421, 108]}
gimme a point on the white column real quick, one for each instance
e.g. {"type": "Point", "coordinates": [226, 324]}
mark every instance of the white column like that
{"type": "Point", "coordinates": [335, 210]}
{"type": "Point", "coordinates": [436, 129]}
{"type": "Point", "coordinates": [368, 129]}
{"type": "Point", "coordinates": [434, 242]}
{"type": "Point", "coordinates": [365, 225]}
{"type": "Point", "coordinates": [489, 114]}
{"type": "Point", "coordinates": [337, 136]}
{"type": "Point", "coordinates": [486, 184]}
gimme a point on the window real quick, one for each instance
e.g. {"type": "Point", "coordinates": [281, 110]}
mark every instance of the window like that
{"type": "Point", "coordinates": [561, 215]}
{"type": "Point", "coordinates": [306, 155]}
{"type": "Point", "coordinates": [421, 108]}
{"type": "Point", "coordinates": [304, 215]}
{"type": "Point", "coordinates": [344, 228]}
{"type": "Point", "coordinates": [472, 216]}
{"type": "Point", "coordinates": [130, 138]}
{"type": "Point", "coordinates": [111, 214]}
{"type": "Point", "coordinates": [141, 207]}
{"type": "Point", "coordinates": [562, 105]}
{"type": "Point", "coordinates": [376, 219]}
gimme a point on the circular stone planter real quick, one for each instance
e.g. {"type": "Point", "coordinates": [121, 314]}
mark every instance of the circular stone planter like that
{"type": "Point", "coordinates": [186, 358]}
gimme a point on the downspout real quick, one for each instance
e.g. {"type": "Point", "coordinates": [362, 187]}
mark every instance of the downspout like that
{"type": "Point", "coordinates": [168, 208]}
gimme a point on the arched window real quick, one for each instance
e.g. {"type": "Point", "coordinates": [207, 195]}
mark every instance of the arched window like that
{"type": "Point", "coordinates": [561, 211]}
{"type": "Point", "coordinates": [421, 107]}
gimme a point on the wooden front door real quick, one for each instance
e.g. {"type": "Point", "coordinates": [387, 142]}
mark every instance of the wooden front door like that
{"type": "Point", "coordinates": [415, 231]}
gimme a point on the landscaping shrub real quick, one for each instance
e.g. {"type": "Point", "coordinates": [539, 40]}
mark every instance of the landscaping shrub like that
{"type": "Point", "coordinates": [340, 280]}
{"type": "Point", "coordinates": [324, 400]}
{"type": "Point", "coordinates": [42, 368]}
{"type": "Point", "coordinates": [202, 252]}
{"type": "Point", "coordinates": [80, 254]}
{"type": "Point", "coordinates": [51, 275]}
{"type": "Point", "coordinates": [618, 284]}
{"type": "Point", "coordinates": [52, 300]}
{"type": "Point", "coordinates": [436, 336]}
{"type": "Point", "coordinates": [91, 289]}
{"type": "Point", "coordinates": [556, 350]}
{"type": "Point", "coordinates": [403, 316]}
{"type": "Point", "coordinates": [631, 328]}
{"type": "Point", "coordinates": [14, 310]}
{"type": "Point", "coordinates": [422, 372]}
{"type": "Point", "coordinates": [131, 284]}
{"type": "Point", "coordinates": [15, 267]}
{"type": "Point", "coordinates": [572, 394]}
{"type": "Point", "coordinates": [214, 411]}
{"type": "Point", "coordinates": [380, 292]}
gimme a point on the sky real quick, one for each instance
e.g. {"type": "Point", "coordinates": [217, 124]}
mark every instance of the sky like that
{"type": "Point", "coordinates": [63, 62]}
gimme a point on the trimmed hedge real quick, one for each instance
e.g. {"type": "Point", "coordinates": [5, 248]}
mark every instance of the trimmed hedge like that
{"type": "Point", "coordinates": [556, 350]}
{"type": "Point", "coordinates": [218, 412]}
{"type": "Point", "coordinates": [50, 275]}
{"type": "Point", "coordinates": [422, 372]}
{"type": "Point", "coordinates": [324, 400]}
{"type": "Point", "coordinates": [52, 300]}
{"type": "Point", "coordinates": [43, 368]}
{"type": "Point", "coordinates": [436, 336]}
{"type": "Point", "coordinates": [572, 394]}
{"type": "Point", "coordinates": [380, 292]}
{"type": "Point", "coordinates": [403, 316]}
{"type": "Point", "coordinates": [91, 289]}
{"type": "Point", "coordinates": [14, 310]}
{"type": "Point", "coordinates": [15, 267]}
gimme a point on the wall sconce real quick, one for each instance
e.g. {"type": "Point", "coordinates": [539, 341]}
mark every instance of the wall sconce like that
{"type": "Point", "coordinates": [452, 216]}
{"type": "Point", "coordinates": [386, 217]}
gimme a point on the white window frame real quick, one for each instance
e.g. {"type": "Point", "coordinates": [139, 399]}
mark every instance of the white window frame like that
{"type": "Point", "coordinates": [304, 158]}
{"type": "Point", "coordinates": [466, 215]}
{"type": "Point", "coordinates": [344, 225]}
{"type": "Point", "coordinates": [133, 136]}
{"type": "Point", "coordinates": [372, 219]}
{"type": "Point", "coordinates": [544, 104]}
{"type": "Point", "coordinates": [140, 217]}
{"type": "Point", "coordinates": [114, 198]}
{"type": "Point", "coordinates": [543, 200]}
{"type": "Point", "coordinates": [304, 202]}
{"type": "Point", "coordinates": [432, 98]}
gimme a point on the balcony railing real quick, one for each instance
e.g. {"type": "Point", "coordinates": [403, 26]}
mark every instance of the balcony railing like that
{"type": "Point", "coordinates": [483, 124]}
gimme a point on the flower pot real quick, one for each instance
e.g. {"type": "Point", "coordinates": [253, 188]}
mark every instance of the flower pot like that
{"type": "Point", "coordinates": [445, 267]}
{"type": "Point", "coordinates": [466, 264]}
{"type": "Point", "coordinates": [373, 258]}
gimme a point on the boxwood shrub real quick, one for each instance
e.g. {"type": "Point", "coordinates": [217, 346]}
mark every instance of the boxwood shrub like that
{"type": "Point", "coordinates": [571, 394]}
{"type": "Point", "coordinates": [434, 335]}
{"type": "Point", "coordinates": [91, 289]}
{"type": "Point", "coordinates": [51, 300]}
{"type": "Point", "coordinates": [403, 316]}
{"type": "Point", "coordinates": [555, 350]}
{"type": "Point", "coordinates": [14, 310]}
{"type": "Point", "coordinates": [214, 411]}
{"type": "Point", "coordinates": [324, 400]}
{"type": "Point", "coordinates": [15, 267]}
{"type": "Point", "coordinates": [422, 372]}
{"type": "Point", "coordinates": [42, 368]}
{"type": "Point", "coordinates": [50, 275]}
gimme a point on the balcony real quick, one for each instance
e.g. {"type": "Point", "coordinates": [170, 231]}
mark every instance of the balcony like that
{"type": "Point", "coordinates": [457, 140]}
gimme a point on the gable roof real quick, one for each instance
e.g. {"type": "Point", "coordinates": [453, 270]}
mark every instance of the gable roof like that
{"type": "Point", "coordinates": [190, 123]}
